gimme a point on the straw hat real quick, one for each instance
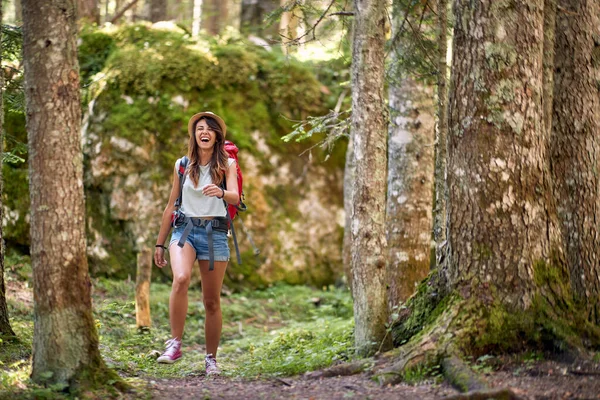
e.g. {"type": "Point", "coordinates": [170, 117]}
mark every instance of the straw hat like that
{"type": "Point", "coordinates": [196, 117]}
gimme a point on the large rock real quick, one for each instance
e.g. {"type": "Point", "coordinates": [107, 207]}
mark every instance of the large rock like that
{"type": "Point", "coordinates": [135, 127]}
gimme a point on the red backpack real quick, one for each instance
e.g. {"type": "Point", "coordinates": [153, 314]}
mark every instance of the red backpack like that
{"type": "Point", "coordinates": [232, 150]}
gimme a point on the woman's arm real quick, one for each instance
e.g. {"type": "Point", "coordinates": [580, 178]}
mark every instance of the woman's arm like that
{"type": "Point", "coordinates": [231, 195]}
{"type": "Point", "coordinates": [165, 225]}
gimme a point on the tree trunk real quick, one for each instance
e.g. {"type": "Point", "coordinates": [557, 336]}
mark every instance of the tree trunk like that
{"type": "Point", "coordinates": [349, 176]}
{"type": "Point", "coordinates": [18, 12]}
{"type": "Point", "coordinates": [500, 212]}
{"type": "Point", "coordinates": [288, 25]}
{"type": "Point", "coordinates": [214, 16]}
{"type": "Point", "coordinates": [575, 144]}
{"type": "Point", "coordinates": [369, 128]}
{"type": "Point", "coordinates": [158, 10]}
{"type": "Point", "coordinates": [89, 11]}
{"type": "Point", "coordinates": [252, 18]}
{"type": "Point", "coordinates": [410, 187]}
{"type": "Point", "coordinates": [65, 342]}
{"type": "Point", "coordinates": [196, 17]}
{"type": "Point", "coordinates": [5, 328]}
{"type": "Point", "coordinates": [142, 289]}
{"type": "Point", "coordinates": [441, 148]}
{"type": "Point", "coordinates": [549, 34]}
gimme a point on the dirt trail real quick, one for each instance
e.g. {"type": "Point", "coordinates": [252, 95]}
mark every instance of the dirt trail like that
{"type": "Point", "coordinates": [545, 380]}
{"type": "Point", "coordinates": [346, 387]}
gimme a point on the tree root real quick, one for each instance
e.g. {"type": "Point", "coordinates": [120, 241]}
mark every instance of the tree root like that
{"type": "Point", "coordinates": [345, 369]}
{"type": "Point", "coordinates": [496, 394]}
{"type": "Point", "coordinates": [459, 375]}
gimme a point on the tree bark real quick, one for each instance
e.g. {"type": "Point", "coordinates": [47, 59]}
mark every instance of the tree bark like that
{"type": "Point", "coordinates": [18, 12]}
{"type": "Point", "coordinates": [214, 16]}
{"type": "Point", "coordinates": [410, 187]}
{"type": "Point", "coordinates": [501, 221]}
{"type": "Point", "coordinates": [349, 176]}
{"type": "Point", "coordinates": [158, 10]}
{"type": "Point", "coordinates": [575, 145]}
{"type": "Point", "coordinates": [89, 11]}
{"type": "Point", "coordinates": [369, 128]}
{"type": "Point", "coordinates": [441, 148]}
{"type": "Point", "coordinates": [142, 289]}
{"type": "Point", "coordinates": [252, 18]}
{"type": "Point", "coordinates": [65, 342]}
{"type": "Point", "coordinates": [288, 25]}
{"type": "Point", "coordinates": [196, 17]}
{"type": "Point", "coordinates": [5, 328]}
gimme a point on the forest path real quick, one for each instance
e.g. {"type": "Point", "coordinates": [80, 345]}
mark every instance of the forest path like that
{"type": "Point", "coordinates": [342, 387]}
{"type": "Point", "coordinates": [540, 380]}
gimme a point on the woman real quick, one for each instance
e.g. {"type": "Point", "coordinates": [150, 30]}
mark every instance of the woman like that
{"type": "Point", "coordinates": [202, 203]}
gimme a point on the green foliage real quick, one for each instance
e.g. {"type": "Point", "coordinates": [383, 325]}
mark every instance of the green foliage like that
{"type": "Point", "coordinates": [94, 49]}
{"type": "Point", "coordinates": [414, 41]}
{"type": "Point", "coordinates": [12, 43]}
{"type": "Point", "coordinates": [422, 373]}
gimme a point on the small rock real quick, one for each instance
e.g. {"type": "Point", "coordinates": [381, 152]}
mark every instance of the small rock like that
{"type": "Point", "coordinates": [154, 354]}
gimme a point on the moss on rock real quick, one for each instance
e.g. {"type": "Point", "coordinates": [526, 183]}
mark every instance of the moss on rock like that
{"type": "Point", "coordinates": [141, 84]}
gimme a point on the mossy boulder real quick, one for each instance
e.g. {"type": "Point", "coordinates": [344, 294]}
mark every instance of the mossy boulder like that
{"type": "Point", "coordinates": [141, 85]}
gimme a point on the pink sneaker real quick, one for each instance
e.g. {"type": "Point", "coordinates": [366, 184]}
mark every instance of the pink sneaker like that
{"type": "Point", "coordinates": [211, 365]}
{"type": "Point", "coordinates": [172, 353]}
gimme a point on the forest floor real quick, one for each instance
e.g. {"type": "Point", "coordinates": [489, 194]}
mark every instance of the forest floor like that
{"type": "Point", "coordinates": [276, 344]}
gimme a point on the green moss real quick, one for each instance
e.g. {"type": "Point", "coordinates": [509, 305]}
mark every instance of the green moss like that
{"type": "Point", "coordinates": [120, 260]}
{"type": "Point", "coordinates": [420, 311]}
{"type": "Point", "coordinates": [95, 47]}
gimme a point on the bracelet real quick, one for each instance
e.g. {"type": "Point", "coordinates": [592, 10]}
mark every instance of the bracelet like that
{"type": "Point", "coordinates": [223, 195]}
{"type": "Point", "coordinates": [161, 246]}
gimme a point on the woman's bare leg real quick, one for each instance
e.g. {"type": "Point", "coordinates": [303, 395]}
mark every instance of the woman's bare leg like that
{"type": "Point", "coordinates": [212, 281]}
{"type": "Point", "coordinates": [182, 262]}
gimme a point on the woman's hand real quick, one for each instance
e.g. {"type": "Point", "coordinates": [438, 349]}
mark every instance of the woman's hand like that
{"type": "Point", "coordinates": [212, 190]}
{"type": "Point", "coordinates": [159, 257]}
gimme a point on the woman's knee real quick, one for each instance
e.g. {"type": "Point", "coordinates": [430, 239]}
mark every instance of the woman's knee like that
{"type": "Point", "coordinates": [212, 306]}
{"type": "Point", "coordinates": [181, 282]}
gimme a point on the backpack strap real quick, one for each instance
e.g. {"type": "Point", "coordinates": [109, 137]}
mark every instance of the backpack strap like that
{"type": "Point", "coordinates": [235, 243]}
{"type": "Point", "coordinates": [183, 163]}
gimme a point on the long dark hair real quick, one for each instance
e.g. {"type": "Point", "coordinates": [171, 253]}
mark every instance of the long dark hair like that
{"type": "Point", "coordinates": [218, 161]}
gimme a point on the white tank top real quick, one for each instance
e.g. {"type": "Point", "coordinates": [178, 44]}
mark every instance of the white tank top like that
{"type": "Point", "coordinates": [194, 202]}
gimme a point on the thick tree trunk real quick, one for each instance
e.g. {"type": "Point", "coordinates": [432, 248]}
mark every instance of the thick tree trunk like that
{"type": "Point", "coordinates": [500, 209]}
{"type": "Point", "coordinates": [410, 187]}
{"type": "Point", "coordinates": [158, 10]}
{"type": "Point", "coordinates": [89, 11]}
{"type": "Point", "coordinates": [441, 147]}
{"type": "Point", "coordinates": [369, 128]}
{"type": "Point", "coordinates": [575, 145]}
{"type": "Point", "coordinates": [549, 33]}
{"type": "Point", "coordinates": [5, 328]}
{"type": "Point", "coordinates": [65, 342]}
{"type": "Point", "coordinates": [252, 19]}
{"type": "Point", "coordinates": [214, 16]}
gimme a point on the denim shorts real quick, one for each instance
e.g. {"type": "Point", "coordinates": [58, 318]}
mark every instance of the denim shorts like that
{"type": "Point", "coordinates": [199, 242]}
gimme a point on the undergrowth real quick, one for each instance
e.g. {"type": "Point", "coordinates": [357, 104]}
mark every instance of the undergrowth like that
{"type": "Point", "coordinates": [280, 331]}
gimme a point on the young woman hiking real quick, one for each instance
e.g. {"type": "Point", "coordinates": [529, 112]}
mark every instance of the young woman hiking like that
{"type": "Point", "coordinates": [202, 235]}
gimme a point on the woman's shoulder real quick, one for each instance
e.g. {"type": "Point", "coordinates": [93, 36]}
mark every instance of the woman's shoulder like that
{"type": "Point", "coordinates": [230, 161]}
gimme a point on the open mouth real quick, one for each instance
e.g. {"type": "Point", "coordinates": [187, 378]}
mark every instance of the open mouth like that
{"type": "Point", "coordinates": [205, 140]}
